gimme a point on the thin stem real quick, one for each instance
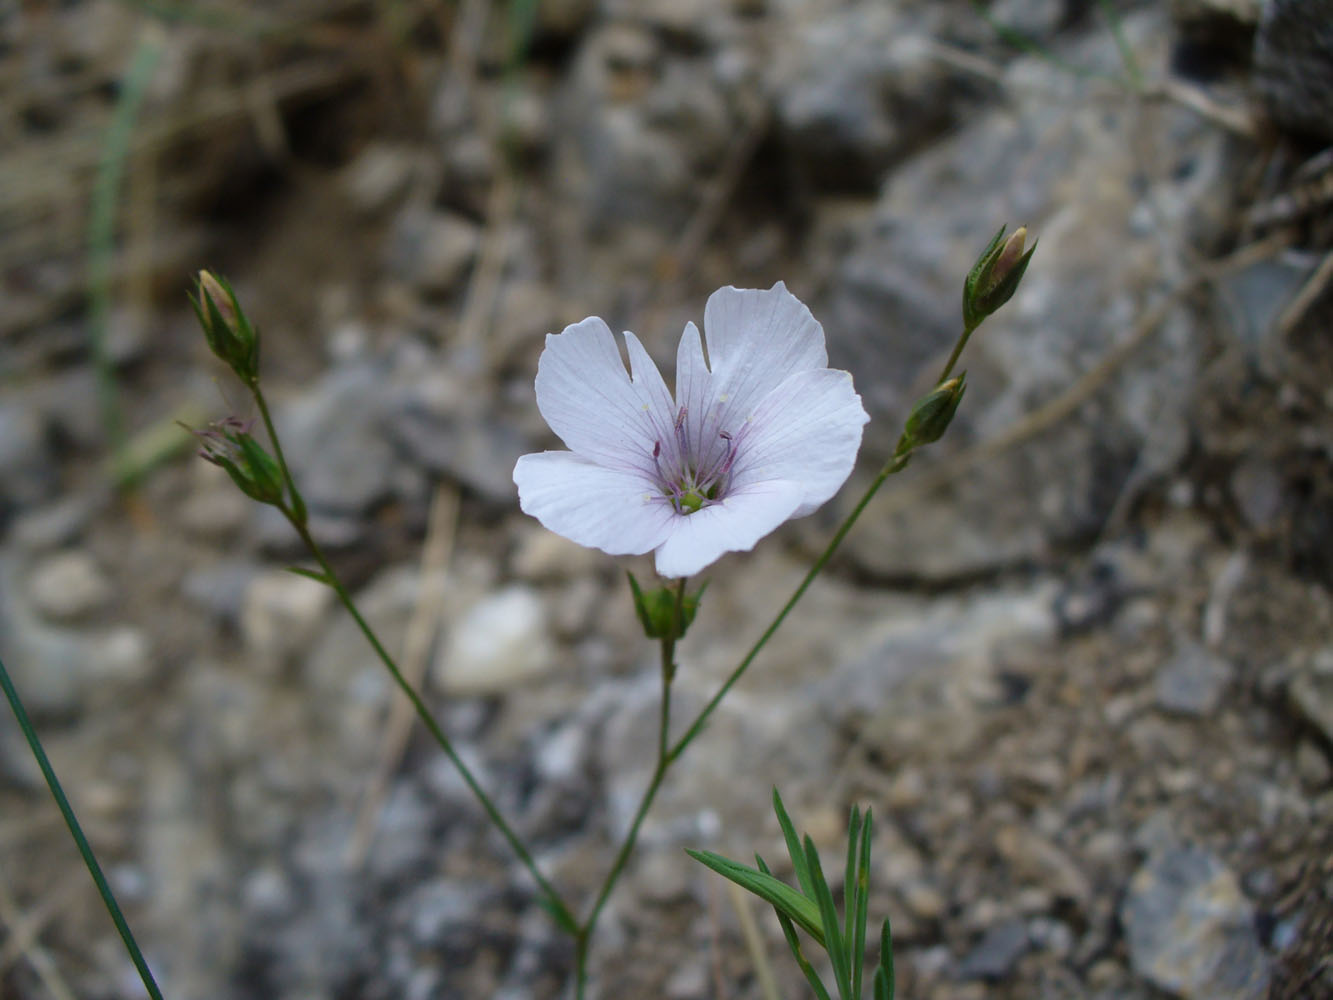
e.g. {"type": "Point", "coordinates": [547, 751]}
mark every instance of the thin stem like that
{"type": "Point", "coordinates": [554, 899]}
{"type": "Point", "coordinates": [76, 831]}
{"type": "Point", "coordinates": [957, 351]}
{"type": "Point", "coordinates": [895, 464]}
{"type": "Point", "coordinates": [664, 761]}
{"type": "Point", "coordinates": [298, 504]}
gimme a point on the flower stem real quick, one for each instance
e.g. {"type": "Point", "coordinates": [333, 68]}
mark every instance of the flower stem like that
{"type": "Point", "coordinates": [895, 464]}
{"type": "Point", "coordinates": [298, 511]}
{"type": "Point", "coordinates": [957, 351]}
{"type": "Point", "coordinates": [76, 831]}
{"type": "Point", "coordinates": [553, 898]}
{"type": "Point", "coordinates": [664, 762]}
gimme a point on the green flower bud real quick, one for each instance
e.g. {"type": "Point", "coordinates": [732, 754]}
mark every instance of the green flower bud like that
{"type": "Point", "coordinates": [657, 610]}
{"type": "Point", "coordinates": [932, 414]}
{"type": "Point", "coordinates": [229, 445]}
{"type": "Point", "coordinates": [995, 276]}
{"type": "Point", "coordinates": [230, 336]}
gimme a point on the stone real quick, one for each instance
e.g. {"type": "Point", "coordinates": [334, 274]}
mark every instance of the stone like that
{"type": "Point", "coordinates": [501, 643]}
{"type": "Point", "coordinates": [998, 951]}
{"type": "Point", "coordinates": [54, 524]}
{"type": "Point", "coordinates": [27, 474]}
{"type": "Point", "coordinates": [379, 174]}
{"type": "Point", "coordinates": [1193, 681]}
{"type": "Point", "coordinates": [1311, 693]}
{"type": "Point", "coordinates": [860, 92]}
{"type": "Point", "coordinates": [281, 613]}
{"type": "Point", "coordinates": [46, 663]}
{"type": "Point", "coordinates": [433, 251]}
{"type": "Point", "coordinates": [1293, 65]}
{"type": "Point", "coordinates": [892, 300]}
{"type": "Point", "coordinates": [1191, 931]}
{"type": "Point", "coordinates": [67, 586]}
{"type": "Point", "coordinates": [220, 588]}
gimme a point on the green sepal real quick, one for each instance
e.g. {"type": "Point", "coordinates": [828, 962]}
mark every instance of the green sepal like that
{"type": "Point", "coordinates": [932, 414]}
{"type": "Point", "coordinates": [230, 335]}
{"type": "Point", "coordinates": [656, 609]}
{"type": "Point", "coordinates": [779, 894]}
{"type": "Point", "coordinates": [263, 471]}
{"type": "Point", "coordinates": [977, 275]}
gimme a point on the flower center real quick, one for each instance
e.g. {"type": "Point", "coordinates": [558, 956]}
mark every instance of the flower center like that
{"type": "Point", "coordinates": [693, 476]}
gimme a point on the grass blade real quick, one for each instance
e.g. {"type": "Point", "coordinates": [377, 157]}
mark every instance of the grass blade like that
{"type": "Point", "coordinates": [794, 943]}
{"type": "Point", "coordinates": [833, 942]}
{"type": "Point", "coordinates": [771, 890]}
{"type": "Point", "coordinates": [793, 846]}
{"type": "Point", "coordinates": [857, 945]}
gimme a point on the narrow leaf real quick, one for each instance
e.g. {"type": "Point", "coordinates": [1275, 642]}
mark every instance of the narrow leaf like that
{"type": "Point", "coordinates": [862, 905]}
{"type": "Point", "coordinates": [559, 913]}
{"type": "Point", "coordinates": [849, 881]}
{"type": "Point", "coordinates": [794, 943]}
{"type": "Point", "coordinates": [312, 574]}
{"type": "Point", "coordinates": [881, 986]}
{"type": "Point", "coordinates": [886, 962]}
{"type": "Point", "coordinates": [771, 890]}
{"type": "Point", "coordinates": [833, 943]}
{"type": "Point", "coordinates": [793, 846]}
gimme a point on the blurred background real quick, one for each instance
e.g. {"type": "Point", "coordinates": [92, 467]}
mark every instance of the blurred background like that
{"type": "Point", "coordinates": [1077, 658]}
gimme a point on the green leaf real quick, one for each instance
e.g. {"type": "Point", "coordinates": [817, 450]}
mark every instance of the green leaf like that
{"type": "Point", "coordinates": [793, 845]}
{"type": "Point", "coordinates": [779, 894]}
{"type": "Point", "coordinates": [861, 907]}
{"type": "Point", "coordinates": [885, 970]}
{"type": "Point", "coordinates": [833, 943]}
{"type": "Point", "coordinates": [794, 943]}
{"type": "Point", "coordinates": [849, 881]}
{"type": "Point", "coordinates": [881, 986]}
{"type": "Point", "coordinates": [312, 574]}
{"type": "Point", "coordinates": [559, 913]}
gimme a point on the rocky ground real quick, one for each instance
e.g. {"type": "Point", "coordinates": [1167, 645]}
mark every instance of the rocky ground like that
{"type": "Point", "coordinates": [1078, 659]}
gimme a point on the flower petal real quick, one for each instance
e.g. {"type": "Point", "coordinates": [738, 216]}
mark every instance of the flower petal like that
{"type": "Point", "coordinates": [616, 510]}
{"type": "Point", "coordinates": [589, 400]}
{"type": "Point", "coordinates": [694, 392]}
{"type": "Point", "coordinates": [808, 431]}
{"type": "Point", "coordinates": [756, 339]}
{"type": "Point", "coordinates": [732, 525]}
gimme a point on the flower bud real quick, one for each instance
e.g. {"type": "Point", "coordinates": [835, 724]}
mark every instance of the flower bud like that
{"type": "Point", "coordinates": [932, 414]}
{"type": "Point", "coordinates": [230, 336]}
{"type": "Point", "coordinates": [658, 613]}
{"type": "Point", "coordinates": [995, 276]}
{"type": "Point", "coordinates": [229, 445]}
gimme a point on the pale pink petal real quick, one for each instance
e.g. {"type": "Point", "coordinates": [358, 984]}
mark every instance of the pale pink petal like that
{"type": "Point", "coordinates": [588, 399]}
{"type": "Point", "coordinates": [732, 525]}
{"type": "Point", "coordinates": [756, 339]}
{"type": "Point", "coordinates": [618, 511]}
{"type": "Point", "coordinates": [694, 393]}
{"type": "Point", "coordinates": [807, 431]}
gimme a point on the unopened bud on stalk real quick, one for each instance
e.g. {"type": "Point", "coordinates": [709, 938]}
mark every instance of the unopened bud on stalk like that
{"type": "Point", "coordinates": [932, 414]}
{"type": "Point", "coordinates": [995, 276]}
{"type": "Point", "coordinates": [230, 445]}
{"type": "Point", "coordinates": [230, 336]}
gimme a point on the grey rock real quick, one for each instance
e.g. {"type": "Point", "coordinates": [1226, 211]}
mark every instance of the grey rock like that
{"type": "Point", "coordinates": [1191, 931]}
{"type": "Point", "coordinates": [1311, 693]}
{"type": "Point", "coordinates": [281, 613]}
{"type": "Point", "coordinates": [67, 586]}
{"type": "Point", "coordinates": [220, 588]}
{"type": "Point", "coordinates": [46, 663]}
{"type": "Point", "coordinates": [892, 302]}
{"type": "Point", "coordinates": [380, 173]}
{"type": "Point", "coordinates": [334, 441]}
{"type": "Point", "coordinates": [432, 250]}
{"type": "Point", "coordinates": [502, 642]}
{"type": "Point", "coordinates": [1193, 681]}
{"type": "Point", "coordinates": [864, 90]}
{"type": "Point", "coordinates": [27, 474]}
{"type": "Point", "coordinates": [57, 523]}
{"type": "Point", "coordinates": [1258, 487]}
{"type": "Point", "coordinates": [1293, 65]}
{"type": "Point", "coordinates": [473, 450]}
{"type": "Point", "coordinates": [998, 951]}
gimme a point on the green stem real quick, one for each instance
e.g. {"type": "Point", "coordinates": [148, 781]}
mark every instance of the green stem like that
{"type": "Point", "coordinates": [957, 351]}
{"type": "Point", "coordinates": [664, 761]}
{"type": "Point", "coordinates": [298, 504]}
{"type": "Point", "coordinates": [895, 464]}
{"type": "Point", "coordinates": [554, 899]}
{"type": "Point", "coordinates": [76, 831]}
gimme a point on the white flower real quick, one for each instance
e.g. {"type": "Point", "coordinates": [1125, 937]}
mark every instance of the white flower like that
{"type": "Point", "coordinates": [761, 432]}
